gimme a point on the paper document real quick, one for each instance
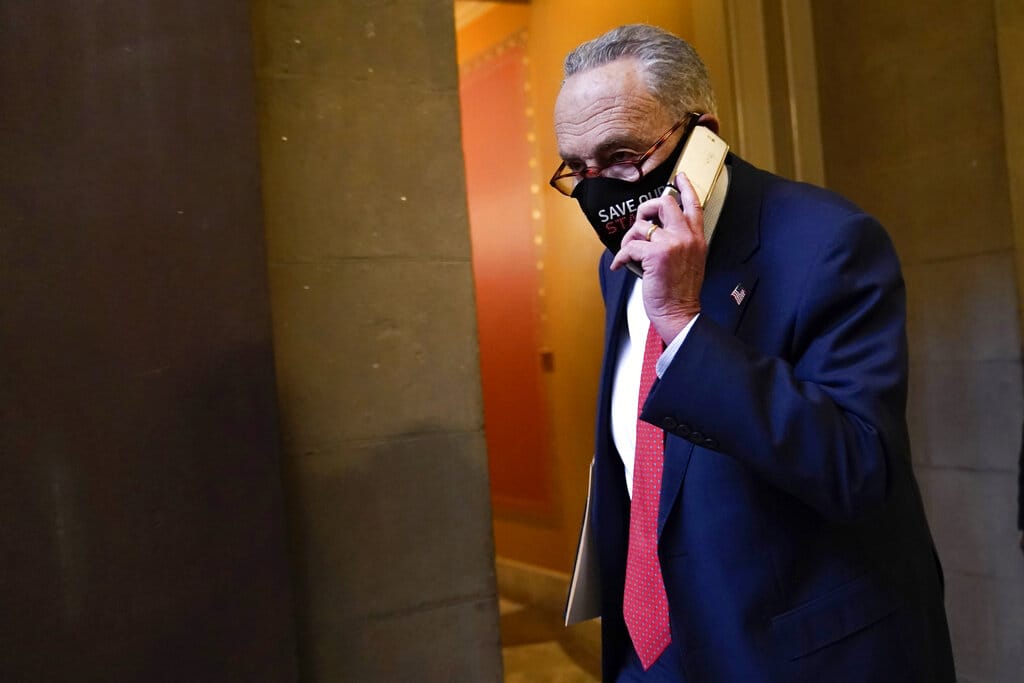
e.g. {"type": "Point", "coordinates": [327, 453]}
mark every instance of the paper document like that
{"type": "Point", "coordinates": [584, 600]}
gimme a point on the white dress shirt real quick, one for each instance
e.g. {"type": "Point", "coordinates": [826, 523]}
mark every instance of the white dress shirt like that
{"type": "Point", "coordinates": [626, 386]}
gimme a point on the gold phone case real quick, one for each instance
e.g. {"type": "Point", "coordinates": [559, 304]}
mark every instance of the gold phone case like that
{"type": "Point", "coordinates": [702, 160]}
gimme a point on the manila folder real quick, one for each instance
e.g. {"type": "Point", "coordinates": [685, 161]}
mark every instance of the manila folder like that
{"type": "Point", "coordinates": [584, 600]}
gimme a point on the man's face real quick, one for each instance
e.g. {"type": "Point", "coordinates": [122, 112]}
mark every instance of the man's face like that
{"type": "Point", "coordinates": [607, 114]}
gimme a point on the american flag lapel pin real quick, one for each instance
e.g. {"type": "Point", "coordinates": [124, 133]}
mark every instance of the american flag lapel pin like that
{"type": "Point", "coordinates": [739, 293]}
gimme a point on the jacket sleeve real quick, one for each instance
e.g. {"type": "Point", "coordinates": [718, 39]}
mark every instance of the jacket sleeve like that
{"type": "Point", "coordinates": [822, 419]}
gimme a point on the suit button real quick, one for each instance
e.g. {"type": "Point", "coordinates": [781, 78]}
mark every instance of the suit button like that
{"type": "Point", "coordinates": [696, 437]}
{"type": "Point", "coordinates": [683, 430]}
{"type": "Point", "coordinates": [669, 423]}
{"type": "Point", "coordinates": [710, 443]}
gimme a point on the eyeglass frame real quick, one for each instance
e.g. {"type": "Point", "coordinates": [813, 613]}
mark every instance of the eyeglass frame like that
{"type": "Point", "coordinates": [596, 171]}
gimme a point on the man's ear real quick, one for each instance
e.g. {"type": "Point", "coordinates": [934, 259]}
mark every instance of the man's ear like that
{"type": "Point", "coordinates": [709, 121]}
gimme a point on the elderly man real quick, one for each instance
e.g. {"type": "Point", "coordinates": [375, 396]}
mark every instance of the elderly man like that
{"type": "Point", "coordinates": [753, 506]}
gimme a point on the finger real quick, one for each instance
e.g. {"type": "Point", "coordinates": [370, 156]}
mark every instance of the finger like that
{"type": "Point", "coordinates": [680, 210]}
{"type": "Point", "coordinates": [630, 251]}
{"type": "Point", "coordinates": [642, 232]}
{"type": "Point", "coordinates": [664, 211]}
{"type": "Point", "coordinates": [638, 231]}
{"type": "Point", "coordinates": [652, 229]}
{"type": "Point", "coordinates": [645, 229]}
{"type": "Point", "coordinates": [688, 199]}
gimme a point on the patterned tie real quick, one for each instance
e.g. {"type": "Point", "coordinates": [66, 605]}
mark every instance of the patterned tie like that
{"type": "Point", "coordinates": [645, 604]}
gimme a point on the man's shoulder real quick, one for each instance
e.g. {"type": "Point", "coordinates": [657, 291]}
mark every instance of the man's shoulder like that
{"type": "Point", "coordinates": [802, 211]}
{"type": "Point", "coordinates": [785, 195]}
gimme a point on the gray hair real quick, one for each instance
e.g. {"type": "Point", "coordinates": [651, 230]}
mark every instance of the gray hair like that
{"type": "Point", "coordinates": [672, 69]}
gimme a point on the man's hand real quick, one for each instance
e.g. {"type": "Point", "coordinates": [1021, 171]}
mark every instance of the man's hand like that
{"type": "Point", "coordinates": [673, 259]}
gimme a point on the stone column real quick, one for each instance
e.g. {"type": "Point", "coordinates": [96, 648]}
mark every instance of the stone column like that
{"type": "Point", "coordinates": [143, 524]}
{"type": "Point", "coordinates": [375, 339]}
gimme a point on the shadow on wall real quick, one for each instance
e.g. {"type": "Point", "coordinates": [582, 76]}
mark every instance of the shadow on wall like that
{"type": "Point", "coordinates": [368, 523]}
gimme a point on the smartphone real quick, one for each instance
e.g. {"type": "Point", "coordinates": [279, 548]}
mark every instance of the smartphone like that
{"type": "Point", "coordinates": [701, 160]}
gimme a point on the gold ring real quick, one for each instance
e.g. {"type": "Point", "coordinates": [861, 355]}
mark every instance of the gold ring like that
{"type": "Point", "coordinates": [651, 231]}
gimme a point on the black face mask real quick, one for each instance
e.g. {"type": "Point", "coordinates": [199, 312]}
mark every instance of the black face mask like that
{"type": "Point", "coordinates": [610, 204]}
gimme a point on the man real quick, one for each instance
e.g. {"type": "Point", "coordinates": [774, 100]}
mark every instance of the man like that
{"type": "Point", "coordinates": [770, 529]}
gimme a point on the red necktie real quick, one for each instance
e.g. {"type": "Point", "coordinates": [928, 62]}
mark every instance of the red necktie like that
{"type": "Point", "coordinates": [645, 604]}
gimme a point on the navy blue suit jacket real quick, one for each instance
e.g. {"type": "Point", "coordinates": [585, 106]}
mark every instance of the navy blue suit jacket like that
{"type": "Point", "coordinates": [793, 542]}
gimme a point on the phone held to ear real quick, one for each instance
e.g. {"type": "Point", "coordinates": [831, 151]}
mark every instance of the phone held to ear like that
{"type": "Point", "coordinates": [701, 160]}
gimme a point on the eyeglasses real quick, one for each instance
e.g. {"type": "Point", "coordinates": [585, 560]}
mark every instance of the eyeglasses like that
{"type": "Point", "coordinates": [565, 180]}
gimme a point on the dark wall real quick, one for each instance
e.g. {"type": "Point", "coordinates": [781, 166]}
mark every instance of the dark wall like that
{"type": "Point", "coordinates": [141, 514]}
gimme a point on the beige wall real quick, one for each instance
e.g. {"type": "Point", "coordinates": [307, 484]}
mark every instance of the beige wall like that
{"type": "Point", "coordinates": [914, 130]}
{"type": "Point", "coordinates": [375, 339]}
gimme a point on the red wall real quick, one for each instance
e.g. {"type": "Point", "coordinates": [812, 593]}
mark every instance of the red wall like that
{"type": "Point", "coordinates": [495, 129]}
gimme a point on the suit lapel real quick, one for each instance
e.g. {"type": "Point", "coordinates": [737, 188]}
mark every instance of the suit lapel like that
{"type": "Point", "coordinates": [611, 503]}
{"type": "Point", "coordinates": [731, 274]}
{"type": "Point", "coordinates": [730, 279]}
{"type": "Point", "coordinates": [617, 285]}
